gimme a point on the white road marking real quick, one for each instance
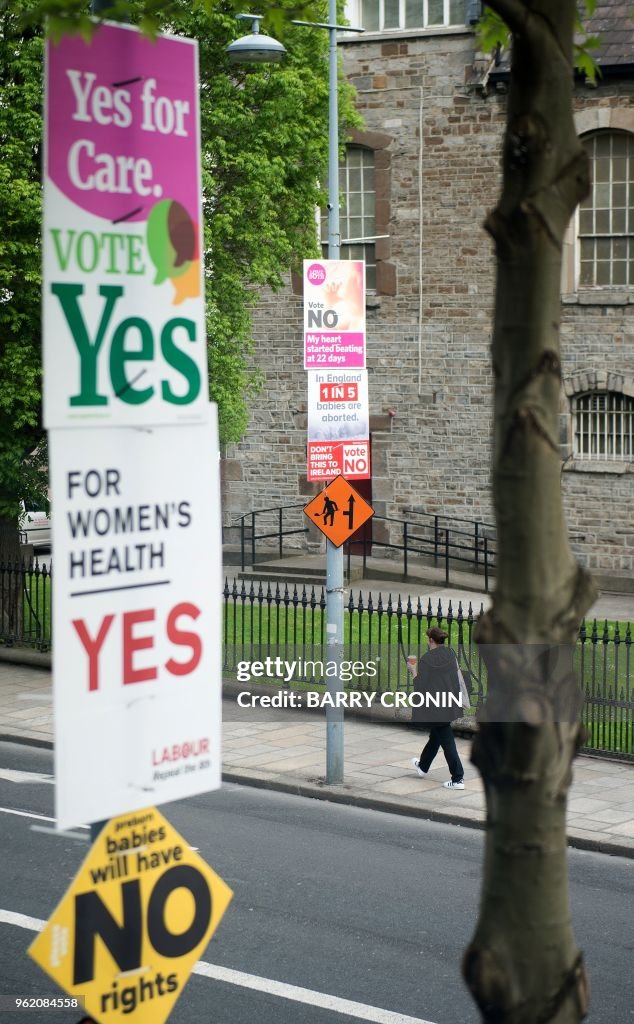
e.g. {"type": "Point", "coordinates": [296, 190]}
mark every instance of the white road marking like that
{"type": "Point", "coordinates": [62, 834]}
{"type": "Point", "coordinates": [25, 814]}
{"type": "Point", "coordinates": [305, 995]}
{"type": "Point", "coordinates": [335, 1004]}
{"type": "Point", "coordinates": [30, 814]}
{"type": "Point", "coordinates": [34, 924]}
{"type": "Point", "coordinates": [13, 775]}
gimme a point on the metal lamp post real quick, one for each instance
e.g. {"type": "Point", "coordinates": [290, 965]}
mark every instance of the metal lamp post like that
{"type": "Point", "coordinates": [334, 556]}
{"type": "Point", "coordinates": [260, 49]}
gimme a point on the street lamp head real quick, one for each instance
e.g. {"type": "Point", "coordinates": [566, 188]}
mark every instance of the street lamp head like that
{"type": "Point", "coordinates": [255, 48]}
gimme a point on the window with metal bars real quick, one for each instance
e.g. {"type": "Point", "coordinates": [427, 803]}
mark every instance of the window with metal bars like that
{"type": "Point", "coordinates": [606, 216]}
{"type": "Point", "coordinates": [383, 15]}
{"type": "Point", "coordinates": [357, 214]}
{"type": "Point", "coordinates": [603, 425]}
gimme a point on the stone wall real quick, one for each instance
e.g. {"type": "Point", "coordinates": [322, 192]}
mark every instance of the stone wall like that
{"type": "Point", "coordinates": [428, 350]}
{"type": "Point", "coordinates": [601, 523]}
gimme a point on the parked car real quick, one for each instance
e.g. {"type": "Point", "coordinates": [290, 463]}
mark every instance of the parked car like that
{"type": "Point", "coordinates": [35, 525]}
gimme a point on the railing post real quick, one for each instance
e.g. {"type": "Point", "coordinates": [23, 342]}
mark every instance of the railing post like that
{"type": "Point", "coordinates": [475, 543]}
{"type": "Point", "coordinates": [280, 530]}
{"type": "Point", "coordinates": [486, 565]}
{"type": "Point", "coordinates": [242, 558]}
{"type": "Point", "coordinates": [446, 557]}
{"type": "Point", "coordinates": [435, 536]}
{"type": "Point", "coordinates": [252, 540]}
{"type": "Point", "coordinates": [405, 549]}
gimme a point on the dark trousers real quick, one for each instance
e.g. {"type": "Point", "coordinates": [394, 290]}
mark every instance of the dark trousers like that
{"type": "Point", "coordinates": [441, 735]}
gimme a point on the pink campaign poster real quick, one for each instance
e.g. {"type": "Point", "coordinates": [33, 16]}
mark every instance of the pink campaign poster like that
{"type": "Point", "coordinates": [124, 329]}
{"type": "Point", "coordinates": [334, 314]}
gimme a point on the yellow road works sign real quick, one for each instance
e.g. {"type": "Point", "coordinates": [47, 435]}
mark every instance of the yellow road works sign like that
{"type": "Point", "coordinates": [135, 920]}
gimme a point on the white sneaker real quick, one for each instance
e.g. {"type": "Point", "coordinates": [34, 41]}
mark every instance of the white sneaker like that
{"type": "Point", "coordinates": [419, 770]}
{"type": "Point", "coordinates": [453, 785]}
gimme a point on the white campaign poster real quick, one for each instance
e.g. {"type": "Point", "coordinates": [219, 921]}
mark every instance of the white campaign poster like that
{"type": "Point", "coordinates": [137, 614]}
{"type": "Point", "coordinates": [338, 407]}
{"type": "Point", "coordinates": [338, 425]}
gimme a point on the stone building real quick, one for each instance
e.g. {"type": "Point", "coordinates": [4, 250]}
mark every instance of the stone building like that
{"type": "Point", "coordinates": [416, 185]}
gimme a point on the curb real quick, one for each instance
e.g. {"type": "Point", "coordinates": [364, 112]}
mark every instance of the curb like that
{"type": "Point", "coordinates": [26, 741]}
{"type": "Point", "coordinates": [26, 656]}
{"type": "Point", "coordinates": [315, 791]}
{"type": "Point", "coordinates": [339, 795]}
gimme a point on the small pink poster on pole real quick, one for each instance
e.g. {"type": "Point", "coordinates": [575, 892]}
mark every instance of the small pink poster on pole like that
{"type": "Point", "coordinates": [334, 314]}
{"type": "Point", "coordinates": [124, 328]}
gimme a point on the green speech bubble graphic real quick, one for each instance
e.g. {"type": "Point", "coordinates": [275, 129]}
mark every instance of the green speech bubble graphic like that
{"type": "Point", "coordinates": [171, 239]}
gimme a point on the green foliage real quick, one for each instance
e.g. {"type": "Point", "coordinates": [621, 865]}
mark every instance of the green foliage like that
{"type": "Point", "coordinates": [264, 150]}
{"type": "Point", "coordinates": [20, 276]}
{"type": "Point", "coordinates": [265, 134]}
{"type": "Point", "coordinates": [492, 32]}
{"type": "Point", "coordinates": [584, 60]}
{"type": "Point", "coordinates": [150, 15]}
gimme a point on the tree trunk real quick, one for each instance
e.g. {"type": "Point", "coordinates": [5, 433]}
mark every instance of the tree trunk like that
{"type": "Point", "coordinates": [9, 541]}
{"type": "Point", "coordinates": [11, 580]}
{"type": "Point", "coordinates": [522, 965]}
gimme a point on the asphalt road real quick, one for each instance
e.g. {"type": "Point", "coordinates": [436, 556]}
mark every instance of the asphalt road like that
{"type": "Point", "coordinates": [352, 904]}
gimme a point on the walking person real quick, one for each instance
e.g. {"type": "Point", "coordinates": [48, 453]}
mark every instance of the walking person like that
{"type": "Point", "coordinates": [437, 675]}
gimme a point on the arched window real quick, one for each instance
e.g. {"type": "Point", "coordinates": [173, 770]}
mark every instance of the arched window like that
{"type": "Point", "coordinates": [606, 216]}
{"type": "Point", "coordinates": [603, 425]}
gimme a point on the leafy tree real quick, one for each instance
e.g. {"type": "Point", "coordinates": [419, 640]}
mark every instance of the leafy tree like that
{"type": "Point", "coordinates": [264, 142]}
{"type": "Point", "coordinates": [77, 16]}
{"type": "Point", "coordinates": [20, 278]}
{"type": "Point", "coordinates": [264, 151]}
{"type": "Point", "coordinates": [522, 965]}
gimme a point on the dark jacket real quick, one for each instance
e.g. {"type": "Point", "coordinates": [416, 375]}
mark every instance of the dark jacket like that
{"type": "Point", "coordinates": [438, 676]}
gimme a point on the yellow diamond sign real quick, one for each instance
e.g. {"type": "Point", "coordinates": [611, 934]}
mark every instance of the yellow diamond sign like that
{"type": "Point", "coordinates": [135, 920]}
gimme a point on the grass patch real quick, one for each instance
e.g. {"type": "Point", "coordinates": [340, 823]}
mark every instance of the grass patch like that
{"type": "Point", "coordinates": [604, 656]}
{"type": "Point", "coordinates": [36, 609]}
{"type": "Point", "coordinates": [612, 736]}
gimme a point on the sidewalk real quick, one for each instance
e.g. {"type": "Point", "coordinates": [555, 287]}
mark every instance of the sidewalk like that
{"type": "Point", "coordinates": [288, 753]}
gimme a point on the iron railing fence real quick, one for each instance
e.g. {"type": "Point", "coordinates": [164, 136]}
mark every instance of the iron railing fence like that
{"type": "Point", "coordinates": [445, 541]}
{"type": "Point", "coordinates": [451, 538]}
{"type": "Point", "coordinates": [433, 541]}
{"type": "Point", "coordinates": [269, 620]}
{"type": "Point", "coordinates": [25, 604]}
{"type": "Point", "coordinates": [268, 524]}
{"type": "Point", "coordinates": [262, 618]}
